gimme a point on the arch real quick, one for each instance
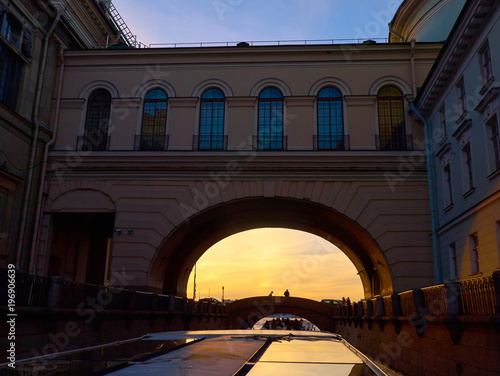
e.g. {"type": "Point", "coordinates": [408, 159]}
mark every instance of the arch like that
{"type": "Point", "coordinates": [244, 313]}
{"type": "Point", "coordinates": [176, 256]}
{"type": "Point", "coordinates": [212, 83]}
{"type": "Point", "coordinates": [329, 81]}
{"type": "Point", "coordinates": [279, 84]}
{"type": "Point", "coordinates": [101, 84]}
{"type": "Point", "coordinates": [83, 201]}
{"type": "Point", "coordinates": [388, 81]}
{"type": "Point", "coordinates": [146, 87]}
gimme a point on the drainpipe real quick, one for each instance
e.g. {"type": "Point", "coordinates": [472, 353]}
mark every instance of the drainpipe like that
{"type": "Point", "coordinates": [36, 109]}
{"type": "Point", "coordinates": [391, 30]}
{"type": "Point", "coordinates": [41, 187]}
{"type": "Point", "coordinates": [430, 168]}
{"type": "Point", "coordinates": [413, 74]}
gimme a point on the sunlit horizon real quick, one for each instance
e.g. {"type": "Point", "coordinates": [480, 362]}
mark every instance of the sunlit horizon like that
{"type": "Point", "coordinates": [256, 262]}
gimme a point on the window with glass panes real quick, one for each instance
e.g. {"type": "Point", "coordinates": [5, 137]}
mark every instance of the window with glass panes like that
{"type": "Point", "coordinates": [154, 120]}
{"type": "Point", "coordinates": [211, 134]}
{"type": "Point", "coordinates": [270, 129]}
{"type": "Point", "coordinates": [97, 120]}
{"type": "Point", "coordinates": [392, 131]}
{"type": "Point", "coordinates": [330, 120]}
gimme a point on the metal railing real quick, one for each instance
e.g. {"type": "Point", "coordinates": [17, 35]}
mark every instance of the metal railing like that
{"type": "Point", "coordinates": [407, 303]}
{"type": "Point", "coordinates": [394, 141]}
{"type": "Point", "coordinates": [146, 142]}
{"type": "Point", "coordinates": [331, 142]}
{"type": "Point", "coordinates": [291, 42]}
{"type": "Point", "coordinates": [270, 143]}
{"type": "Point", "coordinates": [478, 296]}
{"type": "Point", "coordinates": [435, 300]}
{"type": "Point", "coordinates": [210, 142]}
{"type": "Point", "coordinates": [93, 140]}
{"type": "Point", "coordinates": [388, 306]}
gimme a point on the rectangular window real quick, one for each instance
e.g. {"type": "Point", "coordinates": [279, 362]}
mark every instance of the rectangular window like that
{"type": "Point", "coordinates": [10, 75]}
{"type": "Point", "coordinates": [453, 261]}
{"type": "Point", "coordinates": [493, 145]}
{"type": "Point", "coordinates": [485, 61]}
{"type": "Point", "coordinates": [447, 190]}
{"type": "Point", "coordinates": [474, 253]}
{"type": "Point", "coordinates": [467, 175]}
{"type": "Point", "coordinates": [442, 121]}
{"type": "Point", "coordinates": [462, 100]}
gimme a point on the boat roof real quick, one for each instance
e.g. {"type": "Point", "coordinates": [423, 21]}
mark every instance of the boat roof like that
{"type": "Point", "coordinates": [254, 353]}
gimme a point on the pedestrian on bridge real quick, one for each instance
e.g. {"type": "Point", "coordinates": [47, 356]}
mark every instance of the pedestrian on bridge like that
{"type": "Point", "coordinates": [287, 294]}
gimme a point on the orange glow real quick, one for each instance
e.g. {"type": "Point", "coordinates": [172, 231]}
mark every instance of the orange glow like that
{"type": "Point", "coordinates": [256, 262]}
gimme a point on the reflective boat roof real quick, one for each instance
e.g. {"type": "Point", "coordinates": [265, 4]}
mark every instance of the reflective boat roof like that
{"type": "Point", "coordinates": [254, 353]}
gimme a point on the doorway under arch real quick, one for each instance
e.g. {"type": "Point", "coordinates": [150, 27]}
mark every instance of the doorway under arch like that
{"type": "Point", "coordinates": [178, 253]}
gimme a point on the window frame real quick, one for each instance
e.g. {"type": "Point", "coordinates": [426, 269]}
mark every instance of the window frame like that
{"type": "Point", "coordinates": [96, 138]}
{"type": "Point", "coordinates": [485, 62]}
{"type": "Point", "coordinates": [330, 140]}
{"type": "Point", "coordinates": [475, 258]}
{"type": "Point", "coordinates": [453, 261]}
{"type": "Point", "coordinates": [392, 135]}
{"type": "Point", "coordinates": [461, 96]}
{"type": "Point", "coordinates": [212, 140]}
{"type": "Point", "coordinates": [157, 140]}
{"type": "Point", "coordinates": [467, 168]}
{"type": "Point", "coordinates": [447, 186]}
{"type": "Point", "coordinates": [277, 138]}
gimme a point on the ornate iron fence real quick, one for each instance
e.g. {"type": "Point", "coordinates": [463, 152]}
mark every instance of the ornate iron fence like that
{"type": "Point", "coordinates": [407, 303]}
{"type": "Point", "coordinates": [435, 300]}
{"type": "Point", "coordinates": [478, 296]}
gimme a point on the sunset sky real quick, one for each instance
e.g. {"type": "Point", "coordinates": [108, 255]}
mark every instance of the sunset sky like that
{"type": "Point", "coordinates": [160, 21]}
{"type": "Point", "coordinates": [259, 261]}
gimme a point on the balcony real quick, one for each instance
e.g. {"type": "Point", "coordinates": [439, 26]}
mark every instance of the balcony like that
{"type": "Point", "coordinates": [93, 140]}
{"type": "Point", "coordinates": [146, 142]}
{"type": "Point", "coordinates": [209, 142]}
{"type": "Point", "coordinates": [275, 142]}
{"type": "Point", "coordinates": [331, 142]}
{"type": "Point", "coordinates": [394, 141]}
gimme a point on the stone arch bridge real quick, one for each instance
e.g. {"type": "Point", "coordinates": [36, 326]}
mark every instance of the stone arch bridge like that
{"type": "Point", "coordinates": [244, 313]}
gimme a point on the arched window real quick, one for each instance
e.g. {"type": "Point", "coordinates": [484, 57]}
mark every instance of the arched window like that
{"type": "Point", "coordinates": [391, 120]}
{"type": "Point", "coordinates": [97, 121]}
{"type": "Point", "coordinates": [154, 121]}
{"type": "Point", "coordinates": [211, 135]}
{"type": "Point", "coordinates": [270, 129]}
{"type": "Point", "coordinates": [330, 120]}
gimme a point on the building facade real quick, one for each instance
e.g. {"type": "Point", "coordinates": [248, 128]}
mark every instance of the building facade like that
{"type": "Point", "coordinates": [33, 36]}
{"type": "Point", "coordinates": [160, 153]}
{"type": "Point", "coordinates": [459, 103]}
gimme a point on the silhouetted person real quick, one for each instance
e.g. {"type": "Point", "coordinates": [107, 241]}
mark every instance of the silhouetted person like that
{"type": "Point", "coordinates": [287, 294]}
{"type": "Point", "coordinates": [271, 294]}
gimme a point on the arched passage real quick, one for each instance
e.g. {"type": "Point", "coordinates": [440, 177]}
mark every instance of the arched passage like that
{"type": "Point", "coordinates": [179, 252]}
{"type": "Point", "coordinates": [244, 313]}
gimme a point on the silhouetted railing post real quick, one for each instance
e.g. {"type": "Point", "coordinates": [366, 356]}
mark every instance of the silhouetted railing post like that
{"type": "Point", "coordinates": [496, 284]}
{"type": "Point", "coordinates": [54, 297]}
{"type": "Point", "coordinates": [453, 304]}
{"type": "Point", "coordinates": [419, 301]}
{"type": "Point", "coordinates": [361, 311]}
{"type": "Point", "coordinates": [171, 303]}
{"type": "Point", "coordinates": [369, 308]}
{"type": "Point", "coordinates": [380, 307]}
{"type": "Point", "coordinates": [396, 305]}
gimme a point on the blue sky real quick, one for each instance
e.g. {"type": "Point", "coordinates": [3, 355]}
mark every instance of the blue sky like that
{"type": "Point", "coordinates": [160, 21]}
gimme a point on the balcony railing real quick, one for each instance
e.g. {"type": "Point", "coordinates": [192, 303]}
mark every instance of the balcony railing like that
{"type": "Point", "coordinates": [264, 142]}
{"type": "Point", "coordinates": [394, 141]}
{"type": "Point", "coordinates": [435, 299]}
{"type": "Point", "coordinates": [407, 303]}
{"type": "Point", "coordinates": [210, 142]}
{"type": "Point", "coordinates": [478, 296]}
{"type": "Point", "coordinates": [151, 142]}
{"type": "Point", "coordinates": [331, 142]}
{"type": "Point", "coordinates": [93, 140]}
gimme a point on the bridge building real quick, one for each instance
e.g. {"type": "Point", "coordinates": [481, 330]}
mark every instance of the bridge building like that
{"type": "Point", "coordinates": [160, 153]}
